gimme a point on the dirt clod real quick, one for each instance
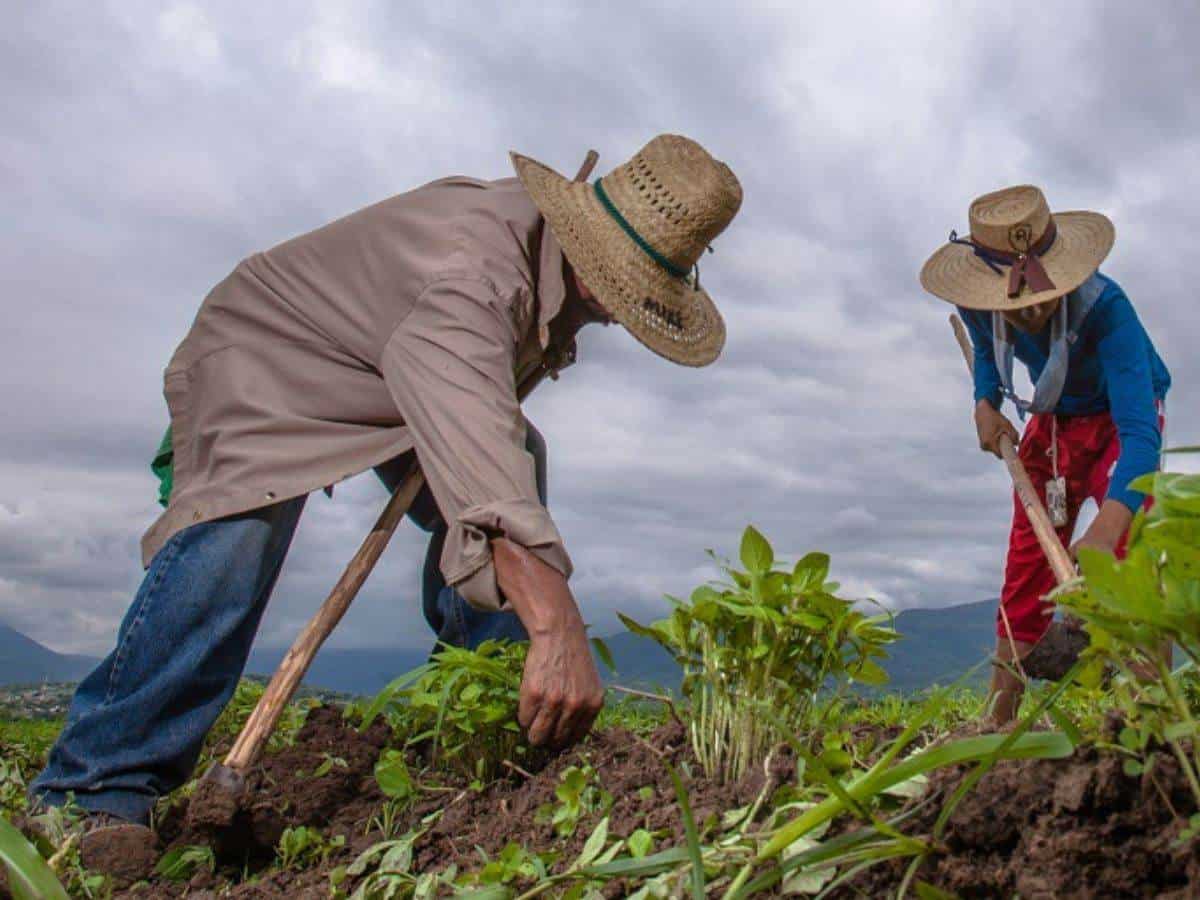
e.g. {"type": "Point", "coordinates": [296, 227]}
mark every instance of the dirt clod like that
{"type": "Point", "coordinates": [125, 852]}
{"type": "Point", "coordinates": [217, 798]}
{"type": "Point", "coordinates": [1052, 657]}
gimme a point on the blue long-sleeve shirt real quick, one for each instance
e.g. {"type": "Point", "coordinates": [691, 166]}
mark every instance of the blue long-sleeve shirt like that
{"type": "Point", "coordinates": [1112, 367]}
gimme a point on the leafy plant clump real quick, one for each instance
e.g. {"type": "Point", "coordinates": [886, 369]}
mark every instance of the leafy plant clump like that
{"type": "Point", "coordinates": [757, 650]}
{"type": "Point", "coordinates": [462, 705]}
{"type": "Point", "coordinates": [1135, 610]}
{"type": "Point", "coordinates": [301, 847]}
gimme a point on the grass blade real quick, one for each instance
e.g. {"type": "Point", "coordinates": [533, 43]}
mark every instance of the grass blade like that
{"type": "Point", "coordinates": [1043, 745]}
{"type": "Point", "coordinates": [654, 864]}
{"type": "Point", "coordinates": [693, 838]}
{"type": "Point", "coordinates": [29, 878]}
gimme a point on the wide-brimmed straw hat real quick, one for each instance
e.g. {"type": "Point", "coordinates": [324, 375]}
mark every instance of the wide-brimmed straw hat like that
{"type": "Point", "coordinates": [1018, 253]}
{"type": "Point", "coordinates": [635, 235]}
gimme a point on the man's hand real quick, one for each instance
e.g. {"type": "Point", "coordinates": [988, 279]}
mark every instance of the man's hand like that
{"type": "Point", "coordinates": [561, 693]}
{"type": "Point", "coordinates": [990, 424]}
{"type": "Point", "coordinates": [1106, 529]}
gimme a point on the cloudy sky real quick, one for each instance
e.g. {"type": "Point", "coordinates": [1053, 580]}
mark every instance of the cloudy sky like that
{"type": "Point", "coordinates": [146, 147]}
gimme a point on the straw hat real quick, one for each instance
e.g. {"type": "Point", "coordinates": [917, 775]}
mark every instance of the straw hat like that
{"type": "Point", "coordinates": [1019, 253]}
{"type": "Point", "coordinates": [634, 237]}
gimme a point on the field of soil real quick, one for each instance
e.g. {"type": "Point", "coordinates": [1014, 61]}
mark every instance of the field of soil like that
{"type": "Point", "coordinates": [1078, 828]}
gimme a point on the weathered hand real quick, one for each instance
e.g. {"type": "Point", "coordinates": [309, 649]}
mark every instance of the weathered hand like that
{"type": "Point", "coordinates": [990, 424]}
{"type": "Point", "coordinates": [561, 693]}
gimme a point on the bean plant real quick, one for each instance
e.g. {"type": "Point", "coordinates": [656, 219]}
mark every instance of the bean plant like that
{"type": "Point", "coordinates": [462, 705]}
{"type": "Point", "coordinates": [1135, 610]}
{"type": "Point", "coordinates": [769, 639]}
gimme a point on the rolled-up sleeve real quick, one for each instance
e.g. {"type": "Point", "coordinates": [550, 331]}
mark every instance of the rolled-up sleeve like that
{"type": "Point", "coordinates": [449, 367]}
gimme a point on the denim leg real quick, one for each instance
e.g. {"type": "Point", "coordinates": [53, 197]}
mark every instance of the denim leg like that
{"type": "Point", "coordinates": [453, 620]}
{"type": "Point", "coordinates": [137, 722]}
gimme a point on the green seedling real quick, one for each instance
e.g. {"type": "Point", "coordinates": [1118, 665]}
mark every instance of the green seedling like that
{"type": "Point", "coordinates": [463, 706]}
{"type": "Point", "coordinates": [181, 863]}
{"type": "Point", "coordinates": [384, 871]}
{"type": "Point", "coordinates": [327, 765]}
{"type": "Point", "coordinates": [302, 846]}
{"type": "Point", "coordinates": [768, 639]}
{"type": "Point", "coordinates": [579, 795]}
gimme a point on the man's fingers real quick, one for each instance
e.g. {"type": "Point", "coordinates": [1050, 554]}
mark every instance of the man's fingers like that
{"type": "Point", "coordinates": [588, 717]}
{"type": "Point", "coordinates": [566, 726]}
{"type": "Point", "coordinates": [527, 706]}
{"type": "Point", "coordinates": [582, 717]}
{"type": "Point", "coordinates": [545, 722]}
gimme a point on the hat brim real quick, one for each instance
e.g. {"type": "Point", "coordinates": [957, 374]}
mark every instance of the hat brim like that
{"type": "Point", "coordinates": [624, 279]}
{"type": "Point", "coordinates": [955, 274]}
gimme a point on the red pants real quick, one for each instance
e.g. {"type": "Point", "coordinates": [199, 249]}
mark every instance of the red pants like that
{"type": "Point", "coordinates": [1088, 448]}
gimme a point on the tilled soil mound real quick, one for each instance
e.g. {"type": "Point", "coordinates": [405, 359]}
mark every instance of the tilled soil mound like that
{"type": "Point", "coordinates": [1034, 829]}
{"type": "Point", "coordinates": [1061, 829]}
{"type": "Point", "coordinates": [345, 799]}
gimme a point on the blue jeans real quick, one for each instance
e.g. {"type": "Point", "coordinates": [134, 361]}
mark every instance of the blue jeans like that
{"type": "Point", "coordinates": [137, 723]}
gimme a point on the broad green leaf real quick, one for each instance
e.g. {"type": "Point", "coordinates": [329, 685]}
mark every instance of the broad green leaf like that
{"type": "Point", "coordinates": [756, 554]}
{"type": "Point", "coordinates": [807, 881]}
{"type": "Point", "coordinates": [391, 771]}
{"type": "Point", "coordinates": [810, 572]}
{"type": "Point", "coordinates": [641, 843]}
{"type": "Point", "coordinates": [870, 673]}
{"type": "Point", "coordinates": [910, 789]}
{"type": "Point", "coordinates": [1177, 731]}
{"type": "Point", "coordinates": [398, 859]}
{"type": "Point", "coordinates": [594, 844]}
{"type": "Point", "coordinates": [604, 653]}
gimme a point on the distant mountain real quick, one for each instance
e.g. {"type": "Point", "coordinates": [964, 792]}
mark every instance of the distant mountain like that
{"type": "Point", "coordinates": [363, 671]}
{"type": "Point", "coordinates": [938, 645]}
{"type": "Point", "coordinates": [24, 661]}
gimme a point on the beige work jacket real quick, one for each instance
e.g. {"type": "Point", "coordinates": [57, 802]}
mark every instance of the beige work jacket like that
{"type": "Point", "coordinates": [404, 325]}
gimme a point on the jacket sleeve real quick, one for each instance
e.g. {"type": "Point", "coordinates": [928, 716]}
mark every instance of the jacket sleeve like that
{"type": "Point", "coordinates": [449, 368]}
{"type": "Point", "coordinates": [1122, 346]}
{"type": "Point", "coordinates": [987, 376]}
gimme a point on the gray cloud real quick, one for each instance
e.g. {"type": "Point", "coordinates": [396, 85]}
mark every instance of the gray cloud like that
{"type": "Point", "coordinates": [146, 147]}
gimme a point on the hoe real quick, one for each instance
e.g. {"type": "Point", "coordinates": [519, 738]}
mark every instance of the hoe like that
{"type": "Point", "coordinates": [1060, 646]}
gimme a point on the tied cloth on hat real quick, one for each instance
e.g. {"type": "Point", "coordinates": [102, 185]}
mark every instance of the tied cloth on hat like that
{"type": "Point", "coordinates": [1025, 266]}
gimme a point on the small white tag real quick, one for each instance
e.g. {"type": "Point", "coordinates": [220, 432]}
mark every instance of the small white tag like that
{"type": "Point", "coordinates": [1056, 501]}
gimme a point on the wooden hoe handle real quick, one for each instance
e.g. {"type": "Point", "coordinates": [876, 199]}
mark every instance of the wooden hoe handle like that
{"type": "Point", "coordinates": [262, 721]}
{"type": "Point", "coordinates": [1056, 554]}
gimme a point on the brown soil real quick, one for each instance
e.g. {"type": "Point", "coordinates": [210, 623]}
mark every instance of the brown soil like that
{"type": "Point", "coordinates": [1075, 828]}
{"type": "Point", "coordinates": [1037, 829]}
{"type": "Point", "coordinates": [126, 853]}
{"type": "Point", "coordinates": [282, 793]}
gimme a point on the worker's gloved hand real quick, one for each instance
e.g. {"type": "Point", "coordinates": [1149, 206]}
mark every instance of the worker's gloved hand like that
{"type": "Point", "coordinates": [990, 424]}
{"type": "Point", "coordinates": [561, 693]}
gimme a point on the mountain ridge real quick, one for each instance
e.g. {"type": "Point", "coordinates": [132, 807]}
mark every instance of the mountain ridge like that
{"type": "Point", "coordinates": [938, 646]}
